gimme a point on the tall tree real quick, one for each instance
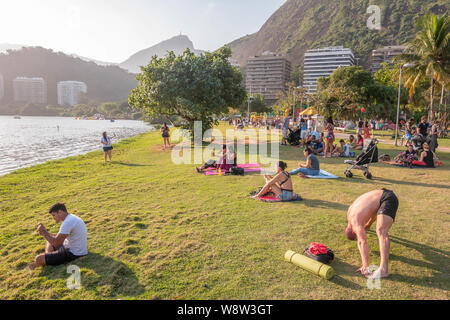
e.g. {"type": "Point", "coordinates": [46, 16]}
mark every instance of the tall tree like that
{"type": "Point", "coordinates": [195, 88]}
{"type": "Point", "coordinates": [429, 53]}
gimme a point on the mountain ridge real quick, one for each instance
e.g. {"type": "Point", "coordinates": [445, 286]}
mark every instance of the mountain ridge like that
{"type": "Point", "coordinates": [177, 44]}
{"type": "Point", "coordinates": [299, 25]}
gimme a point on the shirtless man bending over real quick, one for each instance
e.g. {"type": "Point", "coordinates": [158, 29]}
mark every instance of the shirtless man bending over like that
{"type": "Point", "coordinates": [380, 206]}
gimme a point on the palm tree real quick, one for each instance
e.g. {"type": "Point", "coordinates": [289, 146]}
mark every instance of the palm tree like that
{"type": "Point", "coordinates": [429, 52]}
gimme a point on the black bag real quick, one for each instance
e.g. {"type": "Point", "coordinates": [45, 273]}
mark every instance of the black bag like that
{"type": "Point", "coordinates": [236, 171]}
{"type": "Point", "coordinates": [326, 258]}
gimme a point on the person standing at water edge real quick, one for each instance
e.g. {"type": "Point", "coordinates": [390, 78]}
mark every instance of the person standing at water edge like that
{"type": "Point", "coordinates": [166, 135]}
{"type": "Point", "coordinates": [107, 147]}
{"type": "Point", "coordinates": [380, 206]}
{"type": "Point", "coordinates": [69, 244]}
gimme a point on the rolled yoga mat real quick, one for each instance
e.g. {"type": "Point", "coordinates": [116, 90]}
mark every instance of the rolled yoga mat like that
{"type": "Point", "coordinates": [311, 265]}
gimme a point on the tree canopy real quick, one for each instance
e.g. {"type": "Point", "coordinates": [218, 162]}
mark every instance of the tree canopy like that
{"type": "Point", "coordinates": [195, 88]}
{"type": "Point", "coordinates": [349, 89]}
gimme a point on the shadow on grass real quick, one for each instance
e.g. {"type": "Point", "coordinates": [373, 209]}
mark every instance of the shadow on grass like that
{"type": "Point", "coordinates": [132, 164]}
{"type": "Point", "coordinates": [417, 184]}
{"type": "Point", "coordinates": [104, 275]}
{"type": "Point", "coordinates": [435, 259]}
{"type": "Point", "coordinates": [316, 203]}
{"type": "Point", "coordinates": [344, 268]}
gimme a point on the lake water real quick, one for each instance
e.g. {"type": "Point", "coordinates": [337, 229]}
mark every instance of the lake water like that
{"type": "Point", "coordinates": [31, 140]}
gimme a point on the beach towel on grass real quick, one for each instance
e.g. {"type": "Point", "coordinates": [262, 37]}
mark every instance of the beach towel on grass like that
{"type": "Point", "coordinates": [270, 199]}
{"type": "Point", "coordinates": [403, 165]}
{"type": "Point", "coordinates": [216, 173]}
{"type": "Point", "coordinates": [324, 175]}
{"type": "Point", "coordinates": [248, 167]}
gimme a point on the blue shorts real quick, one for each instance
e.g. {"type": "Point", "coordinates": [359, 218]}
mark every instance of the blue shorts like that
{"type": "Point", "coordinates": [286, 195]}
{"type": "Point", "coordinates": [106, 149]}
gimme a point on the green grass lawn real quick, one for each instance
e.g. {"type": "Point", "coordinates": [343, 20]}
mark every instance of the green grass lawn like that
{"type": "Point", "coordinates": [162, 231]}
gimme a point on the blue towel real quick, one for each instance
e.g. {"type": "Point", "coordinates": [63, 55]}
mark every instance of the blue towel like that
{"type": "Point", "coordinates": [324, 175]}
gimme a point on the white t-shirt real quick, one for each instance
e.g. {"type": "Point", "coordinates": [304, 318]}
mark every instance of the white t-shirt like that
{"type": "Point", "coordinates": [108, 142]}
{"type": "Point", "coordinates": [309, 124]}
{"type": "Point", "coordinates": [346, 150]}
{"type": "Point", "coordinates": [76, 242]}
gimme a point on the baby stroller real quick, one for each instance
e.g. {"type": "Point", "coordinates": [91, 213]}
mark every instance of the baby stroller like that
{"type": "Point", "coordinates": [294, 137]}
{"type": "Point", "coordinates": [363, 161]}
{"type": "Point", "coordinates": [417, 142]}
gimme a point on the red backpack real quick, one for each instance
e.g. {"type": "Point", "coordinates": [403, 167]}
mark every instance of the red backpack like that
{"type": "Point", "coordinates": [319, 252]}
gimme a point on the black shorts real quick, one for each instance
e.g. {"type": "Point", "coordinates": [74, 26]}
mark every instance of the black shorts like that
{"type": "Point", "coordinates": [61, 255]}
{"type": "Point", "coordinates": [105, 149]}
{"type": "Point", "coordinates": [388, 204]}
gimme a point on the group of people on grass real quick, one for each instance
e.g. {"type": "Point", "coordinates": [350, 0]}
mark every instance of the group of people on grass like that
{"type": "Point", "coordinates": [378, 206]}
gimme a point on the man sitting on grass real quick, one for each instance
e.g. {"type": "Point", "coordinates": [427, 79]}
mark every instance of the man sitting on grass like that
{"type": "Point", "coordinates": [342, 151]}
{"type": "Point", "coordinates": [380, 206]}
{"type": "Point", "coordinates": [69, 244]}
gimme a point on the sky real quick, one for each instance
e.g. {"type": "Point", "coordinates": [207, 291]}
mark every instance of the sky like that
{"type": "Point", "coordinates": [113, 30]}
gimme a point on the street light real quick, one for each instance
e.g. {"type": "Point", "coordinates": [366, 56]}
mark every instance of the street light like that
{"type": "Point", "coordinates": [407, 65]}
{"type": "Point", "coordinates": [249, 99]}
{"type": "Point", "coordinates": [293, 109]}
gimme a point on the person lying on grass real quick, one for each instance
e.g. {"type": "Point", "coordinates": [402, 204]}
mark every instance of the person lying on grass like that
{"type": "Point", "coordinates": [227, 160]}
{"type": "Point", "coordinates": [312, 166]}
{"type": "Point", "coordinates": [69, 244]}
{"type": "Point", "coordinates": [279, 186]}
{"type": "Point", "coordinates": [380, 206]}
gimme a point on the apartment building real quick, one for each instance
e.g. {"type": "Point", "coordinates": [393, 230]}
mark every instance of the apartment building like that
{"type": "Point", "coordinates": [268, 75]}
{"type": "Point", "coordinates": [384, 55]}
{"type": "Point", "coordinates": [2, 87]}
{"type": "Point", "coordinates": [322, 62]}
{"type": "Point", "coordinates": [30, 90]}
{"type": "Point", "coordinates": [69, 92]}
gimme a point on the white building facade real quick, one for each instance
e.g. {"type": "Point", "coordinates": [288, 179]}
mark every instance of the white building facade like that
{"type": "Point", "coordinates": [2, 87]}
{"type": "Point", "coordinates": [30, 90]}
{"type": "Point", "coordinates": [69, 92]}
{"type": "Point", "coordinates": [322, 62]}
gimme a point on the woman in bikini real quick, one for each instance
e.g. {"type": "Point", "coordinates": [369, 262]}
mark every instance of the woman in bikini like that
{"type": "Point", "coordinates": [279, 186]}
{"type": "Point", "coordinates": [165, 135]}
{"type": "Point", "coordinates": [329, 139]}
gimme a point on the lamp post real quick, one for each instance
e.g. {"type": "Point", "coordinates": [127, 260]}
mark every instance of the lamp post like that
{"type": "Point", "coordinates": [407, 65]}
{"type": "Point", "coordinates": [249, 99]}
{"type": "Point", "coordinates": [293, 108]}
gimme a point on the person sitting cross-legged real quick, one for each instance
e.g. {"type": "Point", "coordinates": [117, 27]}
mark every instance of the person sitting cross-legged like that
{"type": "Point", "coordinates": [407, 157]}
{"type": "Point", "coordinates": [312, 166]}
{"type": "Point", "coordinates": [69, 244]}
{"type": "Point", "coordinates": [279, 186]}
{"type": "Point", "coordinates": [343, 150]}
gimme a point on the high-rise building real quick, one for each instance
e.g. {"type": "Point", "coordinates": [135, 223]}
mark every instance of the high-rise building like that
{"type": "Point", "coordinates": [30, 90]}
{"type": "Point", "coordinates": [384, 55]}
{"type": "Point", "coordinates": [69, 92]}
{"type": "Point", "coordinates": [2, 87]}
{"type": "Point", "coordinates": [322, 62]}
{"type": "Point", "coordinates": [268, 74]}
